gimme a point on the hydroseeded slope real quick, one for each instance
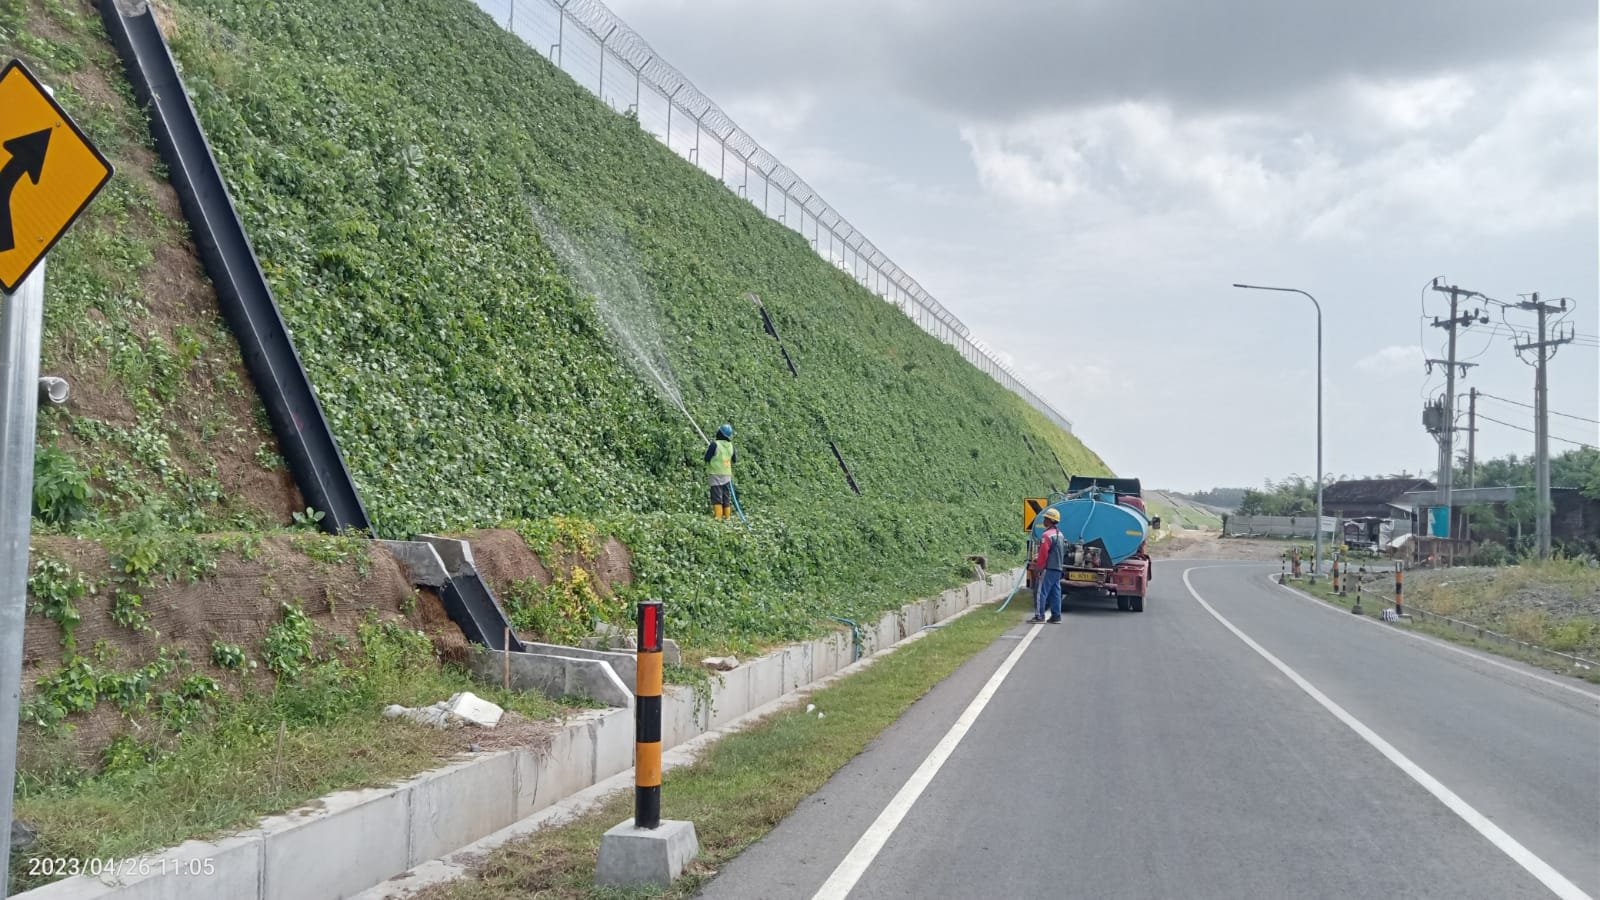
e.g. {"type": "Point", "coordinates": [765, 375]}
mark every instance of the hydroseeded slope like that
{"type": "Point", "coordinates": [389, 160]}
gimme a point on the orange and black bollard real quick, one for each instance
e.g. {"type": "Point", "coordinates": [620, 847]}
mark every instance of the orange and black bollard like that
{"type": "Point", "coordinates": [647, 719]}
{"type": "Point", "coordinates": [1399, 589]}
{"type": "Point", "coordinates": [1336, 585]}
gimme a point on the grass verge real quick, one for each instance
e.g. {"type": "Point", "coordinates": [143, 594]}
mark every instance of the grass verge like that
{"type": "Point", "coordinates": [1374, 603]}
{"type": "Point", "coordinates": [263, 753]}
{"type": "Point", "coordinates": [746, 783]}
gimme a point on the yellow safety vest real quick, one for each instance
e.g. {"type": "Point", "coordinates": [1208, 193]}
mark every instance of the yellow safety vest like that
{"type": "Point", "coordinates": [722, 460]}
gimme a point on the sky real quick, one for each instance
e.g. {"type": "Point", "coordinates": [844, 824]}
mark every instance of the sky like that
{"type": "Point", "coordinates": [1082, 181]}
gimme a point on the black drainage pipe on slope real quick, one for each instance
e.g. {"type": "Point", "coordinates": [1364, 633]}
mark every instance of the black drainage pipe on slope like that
{"type": "Point", "coordinates": [769, 328]}
{"type": "Point", "coordinates": [302, 430]}
{"type": "Point", "coordinates": [850, 479]}
{"type": "Point", "coordinates": [446, 566]}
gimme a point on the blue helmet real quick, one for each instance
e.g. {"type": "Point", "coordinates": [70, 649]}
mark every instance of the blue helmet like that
{"type": "Point", "coordinates": [726, 431]}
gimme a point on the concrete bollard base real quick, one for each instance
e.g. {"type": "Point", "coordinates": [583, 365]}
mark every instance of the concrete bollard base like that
{"type": "Point", "coordinates": [633, 857]}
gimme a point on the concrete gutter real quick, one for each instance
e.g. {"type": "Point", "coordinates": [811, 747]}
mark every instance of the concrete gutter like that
{"type": "Point", "coordinates": [558, 676]}
{"type": "Point", "coordinates": [351, 841]}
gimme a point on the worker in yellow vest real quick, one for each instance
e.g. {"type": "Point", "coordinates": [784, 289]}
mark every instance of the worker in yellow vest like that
{"type": "Point", "coordinates": [720, 457]}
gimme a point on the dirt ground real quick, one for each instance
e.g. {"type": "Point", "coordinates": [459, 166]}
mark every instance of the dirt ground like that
{"type": "Point", "coordinates": [1194, 544]}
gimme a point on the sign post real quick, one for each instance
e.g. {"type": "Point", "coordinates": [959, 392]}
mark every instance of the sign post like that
{"type": "Point", "coordinates": [20, 325]}
{"type": "Point", "coordinates": [49, 174]}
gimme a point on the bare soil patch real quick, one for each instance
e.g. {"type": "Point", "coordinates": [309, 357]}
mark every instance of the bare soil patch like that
{"type": "Point", "coordinates": [1192, 544]}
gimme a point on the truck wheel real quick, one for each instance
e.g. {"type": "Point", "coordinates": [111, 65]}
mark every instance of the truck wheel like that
{"type": "Point", "coordinates": [1136, 603]}
{"type": "Point", "coordinates": [1122, 603]}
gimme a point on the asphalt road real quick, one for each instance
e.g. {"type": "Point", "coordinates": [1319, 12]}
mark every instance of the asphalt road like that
{"type": "Point", "coordinates": [1160, 755]}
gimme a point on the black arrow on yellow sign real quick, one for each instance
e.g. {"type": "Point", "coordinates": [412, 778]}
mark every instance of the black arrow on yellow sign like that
{"type": "Point", "coordinates": [27, 158]}
{"type": "Point", "coordinates": [1031, 507]}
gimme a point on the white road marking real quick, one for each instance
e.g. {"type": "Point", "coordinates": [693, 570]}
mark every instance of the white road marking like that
{"type": "Point", "coordinates": [1522, 856]}
{"type": "Point", "coordinates": [1443, 645]}
{"type": "Point", "coordinates": [855, 863]}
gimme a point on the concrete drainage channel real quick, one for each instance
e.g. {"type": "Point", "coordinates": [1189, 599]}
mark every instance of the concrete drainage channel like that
{"type": "Point", "coordinates": [348, 842]}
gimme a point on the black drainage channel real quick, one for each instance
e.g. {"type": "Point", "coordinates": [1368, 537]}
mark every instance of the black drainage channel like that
{"type": "Point", "coordinates": [302, 430]}
{"type": "Point", "coordinates": [280, 378]}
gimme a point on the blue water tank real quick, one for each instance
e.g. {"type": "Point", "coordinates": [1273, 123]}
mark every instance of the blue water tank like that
{"type": "Point", "coordinates": [1122, 529]}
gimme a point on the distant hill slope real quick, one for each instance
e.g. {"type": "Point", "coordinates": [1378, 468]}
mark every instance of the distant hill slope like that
{"type": "Point", "coordinates": [1178, 511]}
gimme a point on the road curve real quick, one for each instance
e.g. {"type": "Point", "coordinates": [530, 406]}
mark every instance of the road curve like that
{"type": "Point", "coordinates": [1161, 755]}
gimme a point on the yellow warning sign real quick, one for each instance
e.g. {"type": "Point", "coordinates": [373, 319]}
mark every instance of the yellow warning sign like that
{"type": "Point", "coordinates": [48, 173]}
{"type": "Point", "coordinates": [1031, 507]}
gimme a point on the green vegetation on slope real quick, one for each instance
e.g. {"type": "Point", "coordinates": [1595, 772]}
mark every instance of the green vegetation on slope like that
{"type": "Point", "coordinates": [161, 417]}
{"type": "Point", "coordinates": [390, 171]}
{"type": "Point", "coordinates": [318, 729]}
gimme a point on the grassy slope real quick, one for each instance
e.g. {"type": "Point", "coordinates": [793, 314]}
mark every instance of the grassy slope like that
{"type": "Point", "coordinates": [388, 169]}
{"type": "Point", "coordinates": [161, 414]}
{"type": "Point", "coordinates": [1553, 604]}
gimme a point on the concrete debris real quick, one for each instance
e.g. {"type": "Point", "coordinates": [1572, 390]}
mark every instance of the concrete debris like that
{"type": "Point", "coordinates": [475, 709]}
{"type": "Point", "coordinates": [433, 716]}
{"type": "Point", "coordinates": [720, 663]}
{"type": "Point", "coordinates": [465, 708]}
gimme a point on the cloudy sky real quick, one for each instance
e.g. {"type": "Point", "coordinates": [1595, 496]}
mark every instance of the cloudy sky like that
{"type": "Point", "coordinates": [1082, 181]}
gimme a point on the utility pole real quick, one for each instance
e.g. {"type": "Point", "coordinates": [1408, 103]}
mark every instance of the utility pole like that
{"type": "Point", "coordinates": [1541, 406]}
{"type": "Point", "coordinates": [1446, 432]}
{"type": "Point", "coordinates": [1472, 438]}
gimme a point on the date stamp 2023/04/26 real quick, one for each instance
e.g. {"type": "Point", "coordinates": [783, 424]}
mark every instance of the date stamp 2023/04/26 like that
{"type": "Point", "coordinates": [139, 867]}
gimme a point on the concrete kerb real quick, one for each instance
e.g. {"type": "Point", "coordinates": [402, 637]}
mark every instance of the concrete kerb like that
{"type": "Point", "coordinates": [459, 863]}
{"type": "Point", "coordinates": [349, 841]}
{"type": "Point", "coordinates": [332, 850]}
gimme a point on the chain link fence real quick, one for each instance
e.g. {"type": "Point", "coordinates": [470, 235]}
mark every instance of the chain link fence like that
{"type": "Point", "coordinates": [590, 43]}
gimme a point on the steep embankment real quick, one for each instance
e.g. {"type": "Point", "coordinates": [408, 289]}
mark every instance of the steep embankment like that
{"type": "Point", "coordinates": [454, 229]}
{"type": "Point", "coordinates": [398, 174]}
{"type": "Point", "coordinates": [161, 416]}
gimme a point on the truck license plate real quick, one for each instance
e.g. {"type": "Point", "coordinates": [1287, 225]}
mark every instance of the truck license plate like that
{"type": "Point", "coordinates": [1082, 576]}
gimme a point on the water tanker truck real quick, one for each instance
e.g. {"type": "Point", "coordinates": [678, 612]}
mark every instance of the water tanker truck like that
{"type": "Point", "coordinates": [1104, 527]}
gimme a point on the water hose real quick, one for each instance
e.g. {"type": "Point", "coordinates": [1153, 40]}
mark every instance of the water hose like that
{"type": "Point", "coordinates": [735, 497]}
{"type": "Point", "coordinates": [1094, 505]}
{"type": "Point", "coordinates": [855, 636]}
{"type": "Point", "coordinates": [1017, 587]}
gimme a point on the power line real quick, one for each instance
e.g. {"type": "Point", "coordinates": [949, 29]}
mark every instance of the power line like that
{"type": "Point", "coordinates": [1530, 431]}
{"type": "Point", "coordinates": [1530, 406]}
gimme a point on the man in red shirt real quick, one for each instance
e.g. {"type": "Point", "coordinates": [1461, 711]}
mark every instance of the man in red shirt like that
{"type": "Point", "coordinates": [1046, 567]}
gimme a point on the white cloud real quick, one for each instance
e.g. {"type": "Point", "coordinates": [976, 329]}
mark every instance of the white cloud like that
{"type": "Point", "coordinates": [1512, 154]}
{"type": "Point", "coordinates": [1391, 360]}
{"type": "Point", "coordinates": [1413, 105]}
{"type": "Point", "coordinates": [769, 115]}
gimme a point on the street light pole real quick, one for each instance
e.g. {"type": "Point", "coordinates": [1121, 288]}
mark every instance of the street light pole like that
{"type": "Point", "coordinates": [1316, 566]}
